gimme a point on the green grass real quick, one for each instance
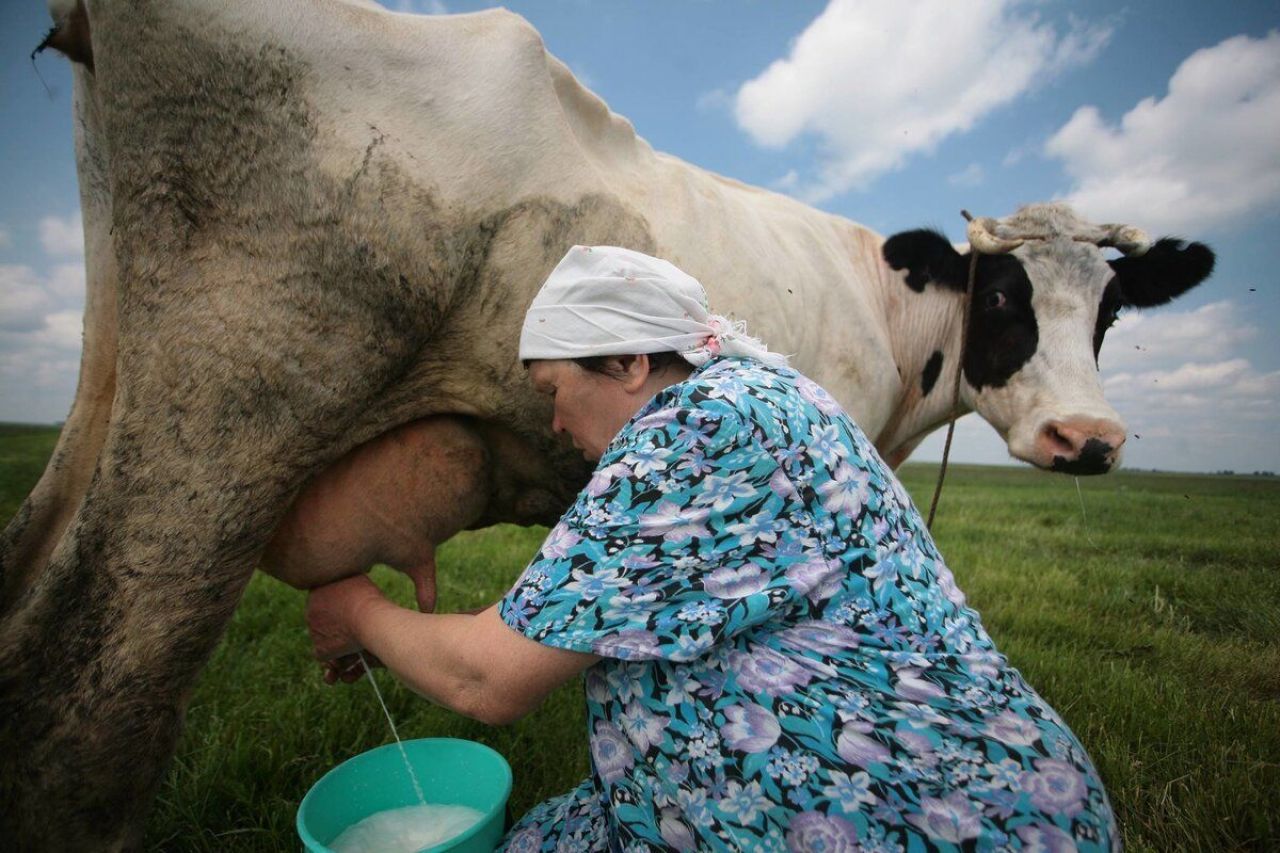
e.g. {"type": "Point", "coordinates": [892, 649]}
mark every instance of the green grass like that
{"type": "Point", "coordinates": [1149, 620]}
{"type": "Point", "coordinates": [23, 452]}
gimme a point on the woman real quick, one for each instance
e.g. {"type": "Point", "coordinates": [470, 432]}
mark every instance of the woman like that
{"type": "Point", "coordinates": [775, 655]}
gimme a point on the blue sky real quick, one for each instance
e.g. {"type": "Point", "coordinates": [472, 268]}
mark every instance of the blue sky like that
{"type": "Point", "coordinates": [894, 115]}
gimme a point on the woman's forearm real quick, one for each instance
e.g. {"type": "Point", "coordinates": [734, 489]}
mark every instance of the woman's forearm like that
{"type": "Point", "coordinates": [427, 651]}
{"type": "Point", "coordinates": [476, 665]}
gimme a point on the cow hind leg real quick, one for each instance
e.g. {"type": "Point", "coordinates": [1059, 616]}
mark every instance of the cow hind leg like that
{"type": "Point", "coordinates": [98, 655]}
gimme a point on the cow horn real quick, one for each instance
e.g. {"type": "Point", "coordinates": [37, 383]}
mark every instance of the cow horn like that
{"type": "Point", "coordinates": [1126, 238]}
{"type": "Point", "coordinates": [982, 238]}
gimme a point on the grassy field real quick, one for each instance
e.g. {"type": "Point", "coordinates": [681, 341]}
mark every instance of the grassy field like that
{"type": "Point", "coordinates": [1149, 618]}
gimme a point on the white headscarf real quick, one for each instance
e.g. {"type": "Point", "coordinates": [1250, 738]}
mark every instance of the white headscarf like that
{"type": "Point", "coordinates": [603, 300]}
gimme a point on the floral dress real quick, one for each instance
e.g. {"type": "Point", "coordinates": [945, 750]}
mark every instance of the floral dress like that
{"type": "Point", "coordinates": [788, 664]}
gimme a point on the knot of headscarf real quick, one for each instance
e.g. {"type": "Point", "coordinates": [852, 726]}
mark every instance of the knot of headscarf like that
{"type": "Point", "coordinates": [604, 300]}
{"type": "Point", "coordinates": [729, 337]}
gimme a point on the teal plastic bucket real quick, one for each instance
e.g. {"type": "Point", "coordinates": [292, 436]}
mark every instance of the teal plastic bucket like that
{"type": "Point", "coordinates": [451, 771]}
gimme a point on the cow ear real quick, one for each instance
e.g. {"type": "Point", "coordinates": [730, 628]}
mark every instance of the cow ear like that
{"type": "Point", "coordinates": [927, 256]}
{"type": "Point", "coordinates": [1169, 269]}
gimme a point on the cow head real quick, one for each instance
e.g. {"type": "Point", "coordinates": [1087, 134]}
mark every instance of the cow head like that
{"type": "Point", "coordinates": [1043, 300]}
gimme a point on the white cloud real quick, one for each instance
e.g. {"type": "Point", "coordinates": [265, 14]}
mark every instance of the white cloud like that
{"type": "Point", "coordinates": [66, 284]}
{"type": "Point", "coordinates": [24, 298]}
{"type": "Point", "coordinates": [61, 236]}
{"type": "Point", "coordinates": [41, 323]}
{"type": "Point", "coordinates": [1206, 155]}
{"type": "Point", "coordinates": [974, 442]}
{"type": "Point", "coordinates": [1175, 359]}
{"type": "Point", "coordinates": [1188, 394]}
{"type": "Point", "coordinates": [1192, 376]}
{"type": "Point", "coordinates": [877, 81]}
{"type": "Point", "coordinates": [971, 176]}
{"type": "Point", "coordinates": [1197, 388]}
{"type": "Point", "coordinates": [63, 330]}
{"type": "Point", "coordinates": [1148, 339]}
{"type": "Point", "coordinates": [27, 297]}
{"type": "Point", "coordinates": [1018, 153]}
{"type": "Point", "coordinates": [421, 7]}
{"type": "Point", "coordinates": [787, 182]}
{"type": "Point", "coordinates": [1200, 416]}
{"type": "Point", "coordinates": [716, 100]}
{"type": "Point", "coordinates": [39, 368]}
{"type": "Point", "coordinates": [583, 76]}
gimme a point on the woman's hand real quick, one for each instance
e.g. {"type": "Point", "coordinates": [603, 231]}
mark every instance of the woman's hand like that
{"type": "Point", "coordinates": [348, 669]}
{"type": "Point", "coordinates": [333, 613]}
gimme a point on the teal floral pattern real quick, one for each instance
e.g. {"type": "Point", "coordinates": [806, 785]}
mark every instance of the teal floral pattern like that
{"type": "Point", "coordinates": [788, 664]}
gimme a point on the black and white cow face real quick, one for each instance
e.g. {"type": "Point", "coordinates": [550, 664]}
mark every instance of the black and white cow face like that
{"type": "Point", "coordinates": [1036, 325]}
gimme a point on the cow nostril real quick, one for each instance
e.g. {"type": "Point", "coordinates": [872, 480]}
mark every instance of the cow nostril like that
{"type": "Point", "coordinates": [1057, 441]}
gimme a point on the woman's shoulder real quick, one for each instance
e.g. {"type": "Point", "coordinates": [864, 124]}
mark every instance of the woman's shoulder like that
{"type": "Point", "coordinates": [732, 380]}
{"type": "Point", "coordinates": [754, 391]}
{"type": "Point", "coordinates": [741, 397]}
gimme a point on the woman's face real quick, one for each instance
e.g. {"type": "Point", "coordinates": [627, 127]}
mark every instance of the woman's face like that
{"type": "Point", "coordinates": [590, 407]}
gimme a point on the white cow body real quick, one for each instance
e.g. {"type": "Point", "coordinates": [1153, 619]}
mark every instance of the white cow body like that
{"type": "Point", "coordinates": [556, 140]}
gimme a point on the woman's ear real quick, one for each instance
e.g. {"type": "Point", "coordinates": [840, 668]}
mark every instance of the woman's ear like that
{"type": "Point", "coordinates": [633, 371]}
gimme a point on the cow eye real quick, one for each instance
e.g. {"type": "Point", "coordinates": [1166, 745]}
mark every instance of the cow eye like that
{"type": "Point", "coordinates": [995, 300]}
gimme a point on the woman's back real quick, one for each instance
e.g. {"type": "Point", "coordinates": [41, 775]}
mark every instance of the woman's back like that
{"type": "Point", "coordinates": [788, 659]}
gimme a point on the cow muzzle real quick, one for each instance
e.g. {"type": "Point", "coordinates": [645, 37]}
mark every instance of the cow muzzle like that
{"type": "Point", "coordinates": [1079, 445]}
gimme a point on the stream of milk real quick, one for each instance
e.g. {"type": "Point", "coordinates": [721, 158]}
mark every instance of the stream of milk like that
{"type": "Point", "coordinates": [407, 766]}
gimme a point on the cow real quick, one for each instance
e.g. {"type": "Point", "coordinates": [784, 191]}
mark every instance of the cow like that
{"type": "Point", "coordinates": [311, 233]}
